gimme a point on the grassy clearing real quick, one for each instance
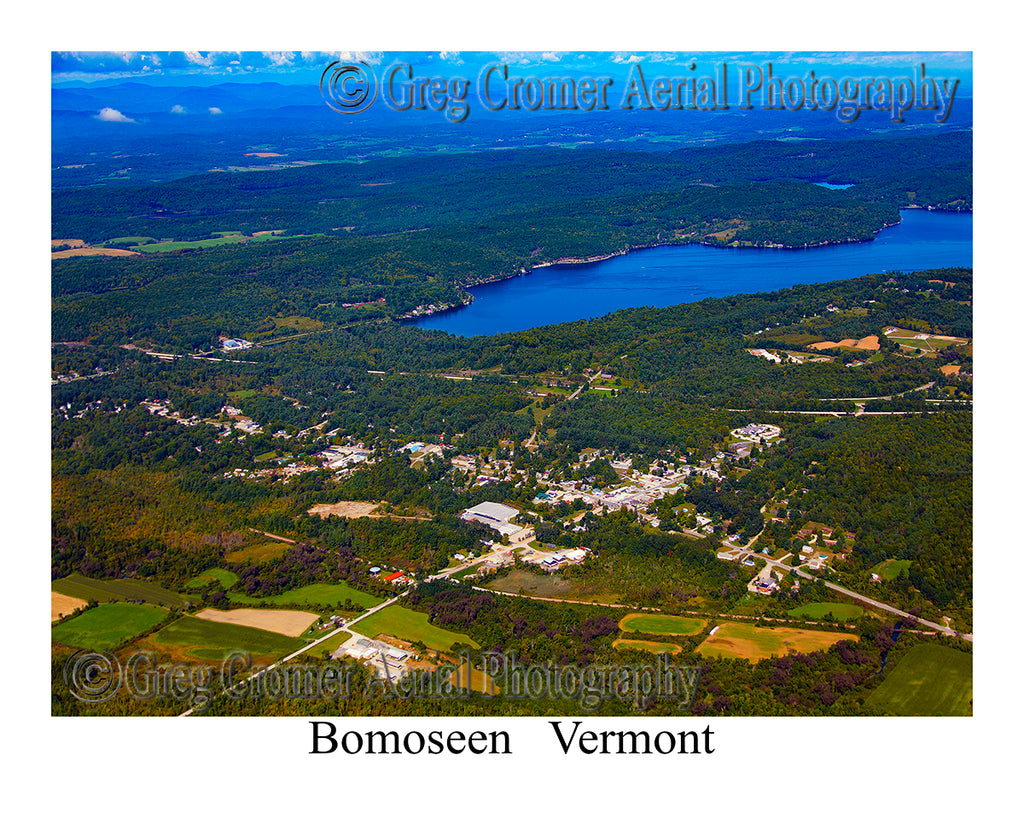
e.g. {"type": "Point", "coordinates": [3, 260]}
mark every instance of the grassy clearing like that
{"type": "Point", "coordinates": [662, 624]}
{"type": "Point", "coordinates": [334, 642]}
{"type": "Point", "coordinates": [200, 244]}
{"type": "Point", "coordinates": [796, 338]}
{"type": "Point", "coordinates": [207, 640]}
{"type": "Point", "coordinates": [223, 576]}
{"type": "Point", "coordinates": [549, 585]}
{"type": "Point", "coordinates": [107, 625]}
{"type": "Point", "coordinates": [647, 645]}
{"type": "Point", "coordinates": [754, 643]}
{"type": "Point", "coordinates": [931, 680]}
{"type": "Point", "coordinates": [890, 569]}
{"type": "Point", "coordinates": [535, 411]}
{"type": "Point", "coordinates": [127, 240]}
{"type": "Point", "coordinates": [106, 591]}
{"type": "Point", "coordinates": [258, 552]}
{"type": "Point", "coordinates": [302, 324]}
{"type": "Point", "coordinates": [412, 626]}
{"type": "Point", "coordinates": [318, 594]}
{"type": "Point", "coordinates": [839, 611]}
{"type": "Point", "coordinates": [160, 247]}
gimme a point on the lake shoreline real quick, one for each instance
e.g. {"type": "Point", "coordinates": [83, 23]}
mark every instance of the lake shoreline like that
{"type": "Point", "coordinates": [469, 298]}
{"type": "Point", "coordinates": [424, 311]}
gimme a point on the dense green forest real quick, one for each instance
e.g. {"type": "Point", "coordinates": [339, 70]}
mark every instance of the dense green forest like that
{"type": "Point", "coordinates": [391, 195]}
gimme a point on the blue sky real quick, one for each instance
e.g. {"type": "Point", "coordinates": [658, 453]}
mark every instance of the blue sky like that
{"type": "Point", "coordinates": [206, 67]}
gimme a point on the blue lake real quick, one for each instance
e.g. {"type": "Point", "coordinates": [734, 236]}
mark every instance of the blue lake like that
{"type": "Point", "coordinates": [663, 276]}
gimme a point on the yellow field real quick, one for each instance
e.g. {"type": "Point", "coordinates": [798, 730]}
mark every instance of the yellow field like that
{"type": "Point", "coordinates": [754, 643]}
{"type": "Point", "coordinates": [473, 678]}
{"type": "Point", "coordinates": [259, 552]}
{"type": "Point", "coordinates": [92, 251]}
{"type": "Point", "coordinates": [344, 509]}
{"type": "Point", "coordinates": [61, 604]}
{"type": "Point", "coordinates": [866, 343]}
{"type": "Point", "coordinates": [288, 623]}
{"type": "Point", "coordinates": [647, 645]}
{"type": "Point", "coordinates": [362, 509]}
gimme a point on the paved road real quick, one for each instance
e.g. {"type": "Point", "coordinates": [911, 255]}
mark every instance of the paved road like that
{"type": "Point", "coordinates": [884, 397]}
{"type": "Point", "coordinates": [855, 595]}
{"type": "Point", "coordinates": [54, 382]}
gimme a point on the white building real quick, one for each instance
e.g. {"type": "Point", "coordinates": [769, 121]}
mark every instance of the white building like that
{"type": "Point", "coordinates": [494, 515]}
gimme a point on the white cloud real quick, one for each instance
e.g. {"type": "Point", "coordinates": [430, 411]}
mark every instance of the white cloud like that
{"type": "Point", "coordinates": [368, 57]}
{"type": "Point", "coordinates": [112, 115]}
{"type": "Point", "coordinates": [215, 110]}
{"type": "Point", "coordinates": [196, 58]}
{"type": "Point", "coordinates": [278, 58]}
{"type": "Point", "coordinates": [179, 109]}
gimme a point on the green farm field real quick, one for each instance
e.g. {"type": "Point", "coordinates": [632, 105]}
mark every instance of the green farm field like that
{"type": "Point", "coordinates": [318, 594]}
{"type": "Point", "coordinates": [223, 576]}
{"type": "Point", "coordinates": [208, 640]}
{"type": "Point", "coordinates": [412, 626]}
{"type": "Point", "coordinates": [662, 624]}
{"type": "Point", "coordinates": [840, 612]}
{"type": "Point", "coordinates": [107, 625]}
{"type": "Point", "coordinates": [128, 240]}
{"type": "Point", "coordinates": [105, 591]}
{"type": "Point", "coordinates": [931, 680]}
{"type": "Point", "coordinates": [226, 238]}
